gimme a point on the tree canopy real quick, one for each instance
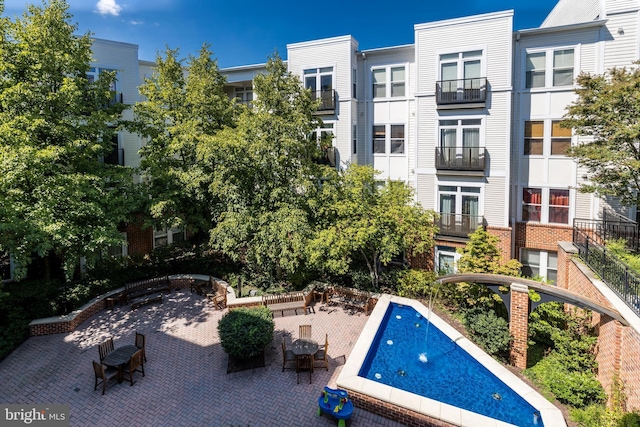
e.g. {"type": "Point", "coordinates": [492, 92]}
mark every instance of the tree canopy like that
{"type": "Point", "coordinates": [266, 175]}
{"type": "Point", "coordinates": [183, 108]}
{"type": "Point", "coordinates": [608, 111]}
{"type": "Point", "coordinates": [368, 219]}
{"type": "Point", "coordinates": [57, 196]}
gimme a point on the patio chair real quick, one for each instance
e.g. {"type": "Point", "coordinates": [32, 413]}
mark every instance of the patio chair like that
{"type": "Point", "coordinates": [103, 374]}
{"type": "Point", "coordinates": [304, 362]}
{"type": "Point", "coordinates": [321, 356]}
{"type": "Point", "coordinates": [136, 364]}
{"type": "Point", "coordinates": [105, 348]}
{"type": "Point", "coordinates": [304, 331]}
{"type": "Point", "coordinates": [288, 358]}
{"type": "Point", "coordinates": [141, 340]}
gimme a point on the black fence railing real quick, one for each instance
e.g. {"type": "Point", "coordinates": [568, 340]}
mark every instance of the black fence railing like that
{"type": "Point", "coordinates": [610, 228]}
{"type": "Point", "coordinates": [457, 225]}
{"type": "Point", "coordinates": [327, 99]}
{"type": "Point", "coordinates": [623, 280]}
{"type": "Point", "coordinates": [461, 91]}
{"type": "Point", "coordinates": [460, 158]}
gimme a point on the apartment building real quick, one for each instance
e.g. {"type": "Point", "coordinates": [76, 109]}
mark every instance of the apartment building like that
{"type": "Point", "coordinates": [468, 114]}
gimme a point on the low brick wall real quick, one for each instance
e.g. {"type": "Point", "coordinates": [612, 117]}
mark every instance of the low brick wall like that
{"type": "Point", "coordinates": [69, 322]}
{"type": "Point", "coordinates": [618, 350]}
{"type": "Point", "coordinates": [394, 412]}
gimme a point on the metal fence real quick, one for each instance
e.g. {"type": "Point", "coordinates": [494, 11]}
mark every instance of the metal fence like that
{"type": "Point", "coordinates": [617, 275]}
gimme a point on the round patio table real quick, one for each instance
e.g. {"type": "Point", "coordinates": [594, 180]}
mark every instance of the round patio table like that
{"type": "Point", "coordinates": [304, 346]}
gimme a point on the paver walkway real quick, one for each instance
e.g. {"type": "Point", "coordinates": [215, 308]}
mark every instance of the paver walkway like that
{"type": "Point", "coordinates": [186, 382]}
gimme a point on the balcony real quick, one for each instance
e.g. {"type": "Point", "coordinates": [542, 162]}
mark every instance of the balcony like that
{"type": "Point", "coordinates": [327, 99]}
{"type": "Point", "coordinates": [463, 93]}
{"type": "Point", "coordinates": [458, 225]}
{"type": "Point", "coordinates": [470, 159]}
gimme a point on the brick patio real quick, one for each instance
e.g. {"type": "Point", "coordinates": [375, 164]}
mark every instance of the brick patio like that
{"type": "Point", "coordinates": [186, 383]}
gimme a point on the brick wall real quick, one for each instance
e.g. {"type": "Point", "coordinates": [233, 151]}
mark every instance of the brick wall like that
{"type": "Point", "coordinates": [519, 325]}
{"type": "Point", "coordinates": [139, 237]}
{"type": "Point", "coordinates": [67, 323]}
{"type": "Point", "coordinates": [618, 348]}
{"type": "Point", "coordinates": [504, 234]}
{"type": "Point", "coordinates": [541, 236]}
{"type": "Point", "coordinates": [394, 412]}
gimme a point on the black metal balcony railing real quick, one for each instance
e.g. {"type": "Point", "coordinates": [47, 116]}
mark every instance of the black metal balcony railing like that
{"type": "Point", "coordinates": [327, 99]}
{"type": "Point", "coordinates": [115, 157]}
{"type": "Point", "coordinates": [458, 225]}
{"type": "Point", "coordinates": [618, 276]}
{"type": "Point", "coordinates": [460, 158]}
{"type": "Point", "coordinates": [463, 91]}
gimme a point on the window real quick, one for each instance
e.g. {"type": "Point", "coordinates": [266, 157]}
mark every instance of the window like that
{"type": "Point", "coordinates": [531, 204]}
{"type": "Point", "coordinates": [461, 76]}
{"type": "Point", "coordinates": [397, 139]}
{"type": "Point", "coordinates": [354, 143]}
{"type": "Point", "coordinates": [94, 72]}
{"type": "Point", "coordinates": [537, 141]}
{"type": "Point", "coordinates": [379, 138]}
{"type": "Point", "coordinates": [379, 83]}
{"type": "Point", "coordinates": [460, 139]}
{"type": "Point", "coordinates": [167, 236]}
{"type": "Point", "coordinates": [560, 139]}
{"type": "Point", "coordinates": [560, 62]}
{"type": "Point", "coordinates": [118, 250]}
{"type": "Point", "coordinates": [533, 138]}
{"type": "Point", "coordinates": [395, 145]}
{"type": "Point", "coordinates": [563, 67]}
{"type": "Point", "coordinates": [559, 206]}
{"type": "Point", "coordinates": [537, 263]}
{"type": "Point", "coordinates": [397, 81]}
{"type": "Point", "coordinates": [545, 205]}
{"type": "Point", "coordinates": [320, 82]}
{"type": "Point", "coordinates": [354, 79]}
{"type": "Point", "coordinates": [459, 209]}
{"type": "Point", "coordinates": [446, 258]}
{"type": "Point", "coordinates": [535, 70]}
{"type": "Point", "coordinates": [324, 135]}
{"type": "Point", "coordinates": [244, 95]}
{"type": "Point", "coordinates": [389, 82]}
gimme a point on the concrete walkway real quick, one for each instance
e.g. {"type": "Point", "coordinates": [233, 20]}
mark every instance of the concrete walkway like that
{"type": "Point", "coordinates": [186, 382]}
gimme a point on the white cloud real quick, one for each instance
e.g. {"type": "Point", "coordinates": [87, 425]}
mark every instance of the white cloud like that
{"type": "Point", "coordinates": [108, 7]}
{"type": "Point", "coordinates": [136, 22]}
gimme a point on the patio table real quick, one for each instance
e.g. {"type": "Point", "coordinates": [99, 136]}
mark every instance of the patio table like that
{"type": "Point", "coordinates": [119, 357]}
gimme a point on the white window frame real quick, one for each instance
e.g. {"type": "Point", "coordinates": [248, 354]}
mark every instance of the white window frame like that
{"type": "Point", "coordinates": [459, 127]}
{"type": "Point", "coordinates": [389, 82]}
{"type": "Point", "coordinates": [545, 204]}
{"type": "Point", "coordinates": [318, 73]}
{"type": "Point", "coordinates": [544, 260]}
{"type": "Point", "coordinates": [94, 73]}
{"type": "Point", "coordinates": [460, 61]}
{"type": "Point", "coordinates": [244, 95]}
{"type": "Point", "coordinates": [547, 138]}
{"type": "Point", "coordinates": [167, 233]}
{"type": "Point", "coordinates": [327, 127]}
{"type": "Point", "coordinates": [459, 193]}
{"type": "Point", "coordinates": [388, 139]}
{"type": "Point", "coordinates": [549, 66]}
{"type": "Point", "coordinates": [448, 252]}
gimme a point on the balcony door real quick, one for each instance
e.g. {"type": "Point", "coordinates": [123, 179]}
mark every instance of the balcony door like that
{"type": "Point", "coordinates": [320, 81]}
{"type": "Point", "coordinates": [459, 209]}
{"type": "Point", "coordinates": [460, 142]}
{"type": "Point", "coordinates": [461, 74]}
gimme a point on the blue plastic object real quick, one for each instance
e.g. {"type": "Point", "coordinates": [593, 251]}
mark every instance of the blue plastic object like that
{"type": "Point", "coordinates": [336, 403]}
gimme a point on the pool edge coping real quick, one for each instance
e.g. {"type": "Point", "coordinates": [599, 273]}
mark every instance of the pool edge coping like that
{"type": "Point", "coordinates": [349, 379]}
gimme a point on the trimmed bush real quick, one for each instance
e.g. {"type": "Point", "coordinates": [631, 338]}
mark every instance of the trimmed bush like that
{"type": "Point", "coordinates": [244, 332]}
{"type": "Point", "coordinates": [488, 331]}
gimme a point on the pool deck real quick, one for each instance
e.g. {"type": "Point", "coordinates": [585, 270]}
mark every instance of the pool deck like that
{"type": "Point", "coordinates": [186, 382]}
{"type": "Point", "coordinates": [348, 377]}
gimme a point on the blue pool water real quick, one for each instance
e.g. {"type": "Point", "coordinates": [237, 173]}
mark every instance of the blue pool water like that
{"type": "Point", "coordinates": [405, 354]}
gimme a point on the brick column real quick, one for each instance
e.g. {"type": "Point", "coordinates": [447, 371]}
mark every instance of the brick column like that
{"type": "Point", "coordinates": [519, 325]}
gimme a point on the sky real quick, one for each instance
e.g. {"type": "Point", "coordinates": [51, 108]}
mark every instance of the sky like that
{"type": "Point", "coordinates": [247, 32]}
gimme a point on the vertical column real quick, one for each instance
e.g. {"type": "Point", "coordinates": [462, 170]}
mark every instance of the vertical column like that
{"type": "Point", "coordinates": [519, 324]}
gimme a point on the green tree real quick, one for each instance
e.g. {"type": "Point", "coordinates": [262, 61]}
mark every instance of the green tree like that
{"type": "Point", "coordinates": [369, 220]}
{"type": "Point", "coordinates": [608, 112]}
{"type": "Point", "coordinates": [266, 174]}
{"type": "Point", "coordinates": [184, 107]}
{"type": "Point", "coordinates": [480, 255]}
{"type": "Point", "coordinates": [57, 198]}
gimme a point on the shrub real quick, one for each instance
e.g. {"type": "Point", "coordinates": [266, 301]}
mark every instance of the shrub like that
{"type": "Point", "coordinates": [578, 389]}
{"type": "Point", "coordinates": [416, 284]}
{"type": "Point", "coordinates": [244, 332]}
{"type": "Point", "coordinates": [488, 331]}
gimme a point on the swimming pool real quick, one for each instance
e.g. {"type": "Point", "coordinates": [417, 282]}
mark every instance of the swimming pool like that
{"type": "Point", "coordinates": [443, 376]}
